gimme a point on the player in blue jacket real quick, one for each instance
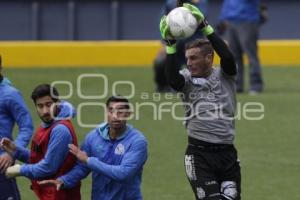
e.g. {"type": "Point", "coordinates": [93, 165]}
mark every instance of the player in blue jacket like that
{"type": "Point", "coordinates": [12, 110]}
{"type": "Point", "coordinates": [114, 152]}
{"type": "Point", "coordinates": [243, 20]}
{"type": "Point", "coordinates": [49, 156]}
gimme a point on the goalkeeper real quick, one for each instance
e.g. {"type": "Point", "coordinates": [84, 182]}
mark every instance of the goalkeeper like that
{"type": "Point", "coordinates": [208, 93]}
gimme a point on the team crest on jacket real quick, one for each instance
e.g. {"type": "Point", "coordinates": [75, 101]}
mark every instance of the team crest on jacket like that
{"type": "Point", "coordinates": [120, 149]}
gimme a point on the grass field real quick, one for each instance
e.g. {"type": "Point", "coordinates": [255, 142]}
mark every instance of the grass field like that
{"type": "Point", "coordinates": [268, 149]}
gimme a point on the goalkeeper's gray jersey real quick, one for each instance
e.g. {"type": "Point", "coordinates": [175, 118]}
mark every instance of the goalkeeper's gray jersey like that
{"type": "Point", "coordinates": [210, 106]}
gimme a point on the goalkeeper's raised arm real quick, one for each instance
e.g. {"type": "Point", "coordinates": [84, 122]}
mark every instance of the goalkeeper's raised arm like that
{"type": "Point", "coordinates": [177, 80]}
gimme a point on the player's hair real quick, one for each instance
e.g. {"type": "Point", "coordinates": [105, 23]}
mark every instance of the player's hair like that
{"type": "Point", "coordinates": [45, 90]}
{"type": "Point", "coordinates": [204, 45]}
{"type": "Point", "coordinates": [118, 98]}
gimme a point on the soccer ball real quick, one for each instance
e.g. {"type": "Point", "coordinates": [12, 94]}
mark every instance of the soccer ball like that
{"type": "Point", "coordinates": [182, 23]}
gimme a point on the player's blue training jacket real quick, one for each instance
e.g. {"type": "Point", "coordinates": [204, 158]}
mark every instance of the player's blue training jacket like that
{"type": "Point", "coordinates": [13, 109]}
{"type": "Point", "coordinates": [116, 165]}
{"type": "Point", "coordinates": [57, 150]}
{"type": "Point", "coordinates": [240, 10]}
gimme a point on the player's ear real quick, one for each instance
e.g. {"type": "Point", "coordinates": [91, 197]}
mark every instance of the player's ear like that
{"type": "Point", "coordinates": [128, 114]}
{"type": "Point", "coordinates": [209, 58]}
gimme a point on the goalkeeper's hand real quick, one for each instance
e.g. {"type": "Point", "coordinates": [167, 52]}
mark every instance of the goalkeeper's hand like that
{"type": "Point", "coordinates": [13, 171]}
{"type": "Point", "coordinates": [167, 36]}
{"type": "Point", "coordinates": [205, 28]}
{"type": "Point", "coordinates": [195, 11]}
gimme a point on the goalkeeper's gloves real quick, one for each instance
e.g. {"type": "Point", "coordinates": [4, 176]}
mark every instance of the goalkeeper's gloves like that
{"type": "Point", "coordinates": [205, 28]}
{"type": "Point", "coordinates": [13, 171]}
{"type": "Point", "coordinates": [167, 36]}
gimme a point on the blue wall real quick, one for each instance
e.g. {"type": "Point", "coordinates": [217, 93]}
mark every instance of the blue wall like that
{"type": "Point", "coordinates": [123, 19]}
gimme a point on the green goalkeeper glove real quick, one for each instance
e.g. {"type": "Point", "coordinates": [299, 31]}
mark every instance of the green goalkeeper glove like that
{"type": "Point", "coordinates": [205, 28]}
{"type": "Point", "coordinates": [167, 36]}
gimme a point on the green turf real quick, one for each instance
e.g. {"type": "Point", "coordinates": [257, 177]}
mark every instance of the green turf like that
{"type": "Point", "coordinates": [268, 149]}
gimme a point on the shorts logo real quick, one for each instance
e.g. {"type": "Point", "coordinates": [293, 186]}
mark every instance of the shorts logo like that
{"type": "Point", "coordinates": [200, 193]}
{"type": "Point", "coordinates": [189, 167]}
{"type": "Point", "coordinates": [120, 149]}
{"type": "Point", "coordinates": [228, 189]}
{"type": "Point", "coordinates": [211, 183]}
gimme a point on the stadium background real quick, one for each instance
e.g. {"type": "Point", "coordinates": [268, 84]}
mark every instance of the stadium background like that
{"type": "Point", "coordinates": [45, 41]}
